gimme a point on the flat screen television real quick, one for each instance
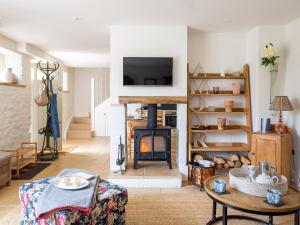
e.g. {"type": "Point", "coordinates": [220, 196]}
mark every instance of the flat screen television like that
{"type": "Point", "coordinates": [148, 71]}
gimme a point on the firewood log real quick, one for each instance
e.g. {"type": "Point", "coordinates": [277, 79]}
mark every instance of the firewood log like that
{"type": "Point", "coordinates": [230, 163]}
{"type": "Point", "coordinates": [226, 166]}
{"type": "Point", "coordinates": [233, 157]}
{"type": "Point", "coordinates": [198, 157]}
{"type": "Point", "coordinates": [237, 164]}
{"type": "Point", "coordinates": [250, 156]}
{"type": "Point", "coordinates": [219, 166]}
{"type": "Point", "coordinates": [245, 161]}
{"type": "Point", "coordinates": [218, 160]}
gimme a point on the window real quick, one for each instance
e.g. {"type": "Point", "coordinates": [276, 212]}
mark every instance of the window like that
{"type": "Point", "coordinates": [65, 81]}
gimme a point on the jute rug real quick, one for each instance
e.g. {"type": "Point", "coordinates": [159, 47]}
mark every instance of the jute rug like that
{"type": "Point", "coordinates": [178, 207]}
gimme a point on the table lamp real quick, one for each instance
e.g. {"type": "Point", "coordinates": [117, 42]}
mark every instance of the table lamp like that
{"type": "Point", "coordinates": [281, 103]}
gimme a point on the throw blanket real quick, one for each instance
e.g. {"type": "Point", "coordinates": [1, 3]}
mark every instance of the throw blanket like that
{"type": "Point", "coordinates": [54, 199]}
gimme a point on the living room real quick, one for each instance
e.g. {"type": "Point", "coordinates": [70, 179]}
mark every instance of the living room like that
{"type": "Point", "coordinates": [151, 112]}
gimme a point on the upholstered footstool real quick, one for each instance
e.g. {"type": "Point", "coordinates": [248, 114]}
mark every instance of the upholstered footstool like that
{"type": "Point", "coordinates": [109, 209]}
{"type": "Point", "coordinates": [5, 168]}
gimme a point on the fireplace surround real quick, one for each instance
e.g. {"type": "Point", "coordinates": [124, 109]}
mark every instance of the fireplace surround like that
{"type": "Point", "coordinates": [152, 143]}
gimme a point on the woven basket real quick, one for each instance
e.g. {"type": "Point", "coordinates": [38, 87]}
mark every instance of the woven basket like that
{"type": "Point", "coordinates": [238, 179]}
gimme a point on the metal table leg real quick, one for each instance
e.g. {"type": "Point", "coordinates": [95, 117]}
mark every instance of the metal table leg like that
{"type": "Point", "coordinates": [214, 211]}
{"type": "Point", "coordinates": [270, 220]}
{"type": "Point", "coordinates": [296, 218]}
{"type": "Point", "coordinates": [224, 215]}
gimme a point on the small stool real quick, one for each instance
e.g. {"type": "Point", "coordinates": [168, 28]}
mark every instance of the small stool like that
{"type": "Point", "coordinates": [199, 174]}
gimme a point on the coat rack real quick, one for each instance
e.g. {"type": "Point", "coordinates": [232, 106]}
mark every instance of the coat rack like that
{"type": "Point", "coordinates": [48, 152]}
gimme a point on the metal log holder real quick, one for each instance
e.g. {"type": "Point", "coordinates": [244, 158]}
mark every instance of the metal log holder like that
{"type": "Point", "coordinates": [48, 152]}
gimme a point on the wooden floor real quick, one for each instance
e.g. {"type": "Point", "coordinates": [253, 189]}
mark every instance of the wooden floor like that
{"type": "Point", "coordinates": [155, 206]}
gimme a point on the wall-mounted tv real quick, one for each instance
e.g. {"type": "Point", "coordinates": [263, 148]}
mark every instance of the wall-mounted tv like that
{"type": "Point", "coordinates": [148, 71]}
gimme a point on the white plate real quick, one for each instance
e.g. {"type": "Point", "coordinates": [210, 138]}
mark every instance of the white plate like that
{"type": "Point", "coordinates": [70, 183]}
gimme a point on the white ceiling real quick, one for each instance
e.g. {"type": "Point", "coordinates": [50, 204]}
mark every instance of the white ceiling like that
{"type": "Point", "coordinates": [50, 24]}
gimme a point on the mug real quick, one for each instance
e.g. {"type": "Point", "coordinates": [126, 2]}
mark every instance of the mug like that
{"type": "Point", "coordinates": [273, 196]}
{"type": "Point", "coordinates": [220, 186]}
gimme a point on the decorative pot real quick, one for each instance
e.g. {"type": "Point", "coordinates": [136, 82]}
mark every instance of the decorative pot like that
{"type": "Point", "coordinates": [221, 123]}
{"type": "Point", "coordinates": [228, 105]}
{"type": "Point", "coordinates": [236, 88]}
{"type": "Point", "coordinates": [9, 77]}
{"type": "Point", "coordinates": [216, 90]}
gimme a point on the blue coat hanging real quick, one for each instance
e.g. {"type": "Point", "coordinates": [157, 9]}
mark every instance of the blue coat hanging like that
{"type": "Point", "coordinates": [54, 124]}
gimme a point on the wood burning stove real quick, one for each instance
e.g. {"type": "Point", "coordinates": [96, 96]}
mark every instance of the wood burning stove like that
{"type": "Point", "coordinates": [152, 143]}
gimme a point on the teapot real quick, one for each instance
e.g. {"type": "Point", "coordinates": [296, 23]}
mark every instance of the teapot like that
{"type": "Point", "coordinates": [266, 179]}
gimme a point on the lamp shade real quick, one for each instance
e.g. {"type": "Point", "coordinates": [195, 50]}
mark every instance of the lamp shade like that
{"type": "Point", "coordinates": [281, 103]}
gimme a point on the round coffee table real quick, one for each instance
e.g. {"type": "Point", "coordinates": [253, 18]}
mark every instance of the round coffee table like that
{"type": "Point", "coordinates": [249, 204]}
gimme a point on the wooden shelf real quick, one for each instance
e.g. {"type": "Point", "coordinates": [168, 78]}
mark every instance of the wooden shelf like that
{"type": "Point", "coordinates": [153, 99]}
{"type": "Point", "coordinates": [13, 85]}
{"type": "Point", "coordinates": [215, 76]}
{"type": "Point", "coordinates": [228, 129]}
{"type": "Point", "coordinates": [219, 111]}
{"type": "Point", "coordinates": [222, 147]}
{"type": "Point", "coordinates": [221, 93]}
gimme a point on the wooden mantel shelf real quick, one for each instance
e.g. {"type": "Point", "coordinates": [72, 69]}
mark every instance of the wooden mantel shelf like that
{"type": "Point", "coordinates": [13, 85]}
{"type": "Point", "coordinates": [153, 99]}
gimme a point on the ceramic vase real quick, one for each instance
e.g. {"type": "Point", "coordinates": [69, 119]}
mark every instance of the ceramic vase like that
{"type": "Point", "coordinates": [221, 123]}
{"type": "Point", "coordinates": [8, 77]}
{"type": "Point", "coordinates": [228, 105]}
{"type": "Point", "coordinates": [236, 88]}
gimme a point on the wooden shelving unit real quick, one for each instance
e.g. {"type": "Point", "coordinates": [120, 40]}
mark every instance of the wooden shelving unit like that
{"type": "Point", "coordinates": [195, 129]}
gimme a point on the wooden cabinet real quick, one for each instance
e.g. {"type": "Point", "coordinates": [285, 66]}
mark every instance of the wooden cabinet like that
{"type": "Point", "coordinates": [275, 148]}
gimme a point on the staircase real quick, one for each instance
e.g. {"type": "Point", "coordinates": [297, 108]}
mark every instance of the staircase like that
{"type": "Point", "coordinates": [80, 128]}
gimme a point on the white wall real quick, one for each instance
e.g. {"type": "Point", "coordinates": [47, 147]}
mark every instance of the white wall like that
{"type": "Point", "coordinates": [292, 90]}
{"type": "Point", "coordinates": [216, 51]}
{"type": "Point", "coordinates": [146, 41]}
{"type": "Point", "coordinates": [257, 38]}
{"type": "Point", "coordinates": [82, 95]}
{"type": "Point", "coordinates": [68, 102]}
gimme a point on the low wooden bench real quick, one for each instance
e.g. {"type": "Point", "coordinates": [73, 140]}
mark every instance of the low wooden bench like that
{"type": "Point", "coordinates": [23, 156]}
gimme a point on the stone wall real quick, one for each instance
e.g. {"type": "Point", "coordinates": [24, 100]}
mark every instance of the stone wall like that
{"type": "Point", "coordinates": [15, 109]}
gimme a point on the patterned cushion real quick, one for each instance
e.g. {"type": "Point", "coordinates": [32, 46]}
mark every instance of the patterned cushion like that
{"type": "Point", "coordinates": [109, 209]}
